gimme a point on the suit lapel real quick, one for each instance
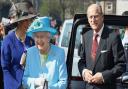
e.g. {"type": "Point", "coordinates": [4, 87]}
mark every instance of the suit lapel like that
{"type": "Point", "coordinates": [102, 43]}
{"type": "Point", "coordinates": [90, 40]}
{"type": "Point", "coordinates": [89, 47]}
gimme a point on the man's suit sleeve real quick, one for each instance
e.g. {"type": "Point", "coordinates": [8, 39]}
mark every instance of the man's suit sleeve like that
{"type": "Point", "coordinates": [119, 60]}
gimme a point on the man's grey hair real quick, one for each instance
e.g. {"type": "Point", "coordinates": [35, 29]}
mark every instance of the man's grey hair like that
{"type": "Point", "coordinates": [97, 6]}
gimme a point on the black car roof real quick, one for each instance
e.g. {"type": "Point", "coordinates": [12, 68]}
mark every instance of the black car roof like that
{"type": "Point", "coordinates": [108, 19]}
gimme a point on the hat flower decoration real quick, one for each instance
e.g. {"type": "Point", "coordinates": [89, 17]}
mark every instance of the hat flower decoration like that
{"type": "Point", "coordinates": [41, 24]}
{"type": "Point", "coordinates": [36, 25]}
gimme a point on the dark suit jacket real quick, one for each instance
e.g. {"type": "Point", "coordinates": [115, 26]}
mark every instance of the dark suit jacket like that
{"type": "Point", "coordinates": [110, 58]}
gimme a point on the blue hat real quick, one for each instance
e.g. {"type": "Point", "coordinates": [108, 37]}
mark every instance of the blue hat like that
{"type": "Point", "coordinates": [41, 24]}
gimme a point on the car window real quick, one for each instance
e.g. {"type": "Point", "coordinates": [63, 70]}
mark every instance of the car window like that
{"type": "Point", "coordinates": [76, 58]}
{"type": "Point", "coordinates": [66, 35]}
{"type": "Point", "coordinates": [65, 44]}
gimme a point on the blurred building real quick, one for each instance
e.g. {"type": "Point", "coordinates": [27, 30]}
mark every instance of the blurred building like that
{"type": "Point", "coordinates": [122, 6]}
{"type": "Point", "coordinates": [109, 6]}
{"type": "Point", "coordinates": [114, 7]}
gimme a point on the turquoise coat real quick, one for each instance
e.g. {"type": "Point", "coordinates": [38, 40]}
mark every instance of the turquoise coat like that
{"type": "Point", "coordinates": [54, 70]}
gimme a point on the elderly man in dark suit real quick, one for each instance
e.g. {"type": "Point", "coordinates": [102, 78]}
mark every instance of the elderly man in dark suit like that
{"type": "Point", "coordinates": [102, 58]}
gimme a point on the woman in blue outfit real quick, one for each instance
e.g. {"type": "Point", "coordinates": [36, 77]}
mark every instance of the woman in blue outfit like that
{"type": "Point", "coordinates": [44, 61]}
{"type": "Point", "coordinates": [13, 46]}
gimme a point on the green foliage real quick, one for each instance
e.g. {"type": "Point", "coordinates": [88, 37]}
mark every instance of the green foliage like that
{"type": "Point", "coordinates": [44, 8]}
{"type": "Point", "coordinates": [63, 8]}
{"type": "Point", "coordinates": [49, 7]}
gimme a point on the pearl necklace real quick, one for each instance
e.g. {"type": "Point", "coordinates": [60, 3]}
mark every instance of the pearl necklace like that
{"type": "Point", "coordinates": [22, 40]}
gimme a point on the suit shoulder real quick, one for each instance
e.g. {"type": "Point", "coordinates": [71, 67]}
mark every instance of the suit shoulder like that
{"type": "Point", "coordinates": [113, 34]}
{"type": "Point", "coordinates": [9, 38]}
{"type": "Point", "coordinates": [88, 32]}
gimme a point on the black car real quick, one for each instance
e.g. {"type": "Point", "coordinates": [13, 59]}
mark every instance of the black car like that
{"type": "Point", "coordinates": [114, 22]}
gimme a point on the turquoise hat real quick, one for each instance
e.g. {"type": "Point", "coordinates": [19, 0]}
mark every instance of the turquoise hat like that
{"type": "Point", "coordinates": [41, 24]}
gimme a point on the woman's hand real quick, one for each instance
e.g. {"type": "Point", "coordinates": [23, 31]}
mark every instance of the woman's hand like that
{"type": "Point", "coordinates": [2, 33]}
{"type": "Point", "coordinates": [39, 81]}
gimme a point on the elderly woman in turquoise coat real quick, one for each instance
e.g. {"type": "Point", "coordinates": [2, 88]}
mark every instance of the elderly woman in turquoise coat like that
{"type": "Point", "coordinates": [44, 61]}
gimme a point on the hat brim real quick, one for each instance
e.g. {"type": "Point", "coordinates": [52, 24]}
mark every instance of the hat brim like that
{"type": "Point", "coordinates": [24, 18]}
{"type": "Point", "coordinates": [51, 30]}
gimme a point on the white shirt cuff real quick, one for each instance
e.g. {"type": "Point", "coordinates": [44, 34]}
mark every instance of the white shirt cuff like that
{"type": "Point", "coordinates": [83, 72]}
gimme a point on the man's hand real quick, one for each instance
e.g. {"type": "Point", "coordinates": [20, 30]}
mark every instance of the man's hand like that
{"type": "Point", "coordinates": [87, 75]}
{"type": "Point", "coordinates": [97, 79]}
